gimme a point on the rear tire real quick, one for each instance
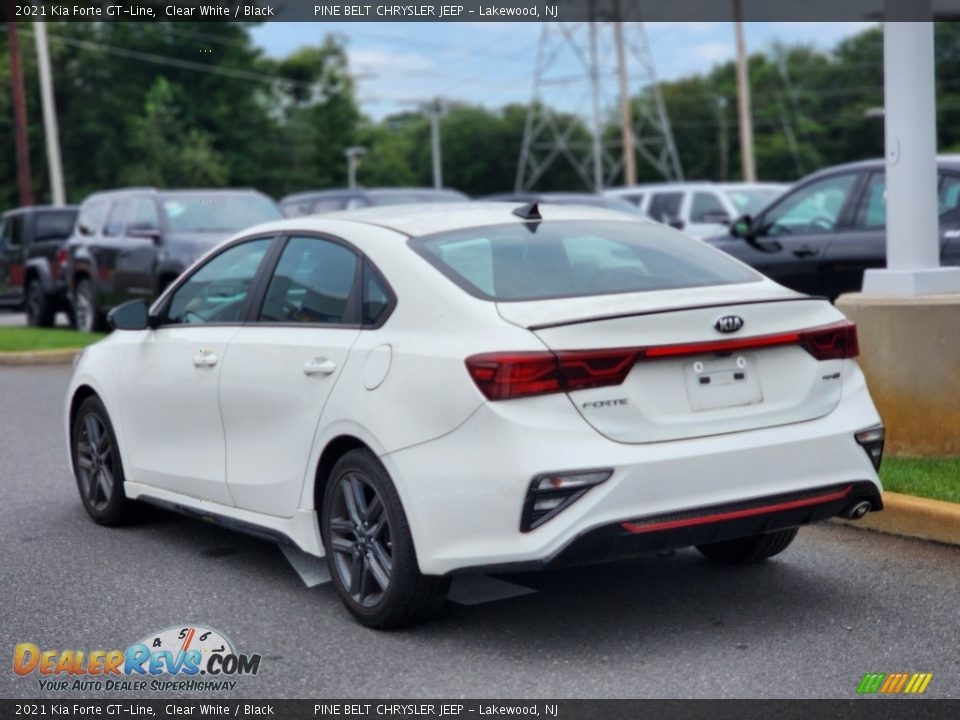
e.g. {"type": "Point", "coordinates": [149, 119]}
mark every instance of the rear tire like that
{"type": "Point", "coordinates": [370, 550]}
{"type": "Point", "coordinates": [40, 311]}
{"type": "Point", "coordinates": [87, 314]}
{"type": "Point", "coordinates": [751, 549]}
{"type": "Point", "coordinates": [97, 465]}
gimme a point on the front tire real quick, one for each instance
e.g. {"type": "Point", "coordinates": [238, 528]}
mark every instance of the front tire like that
{"type": "Point", "coordinates": [751, 549]}
{"type": "Point", "coordinates": [370, 550]}
{"type": "Point", "coordinates": [87, 314]}
{"type": "Point", "coordinates": [97, 465]}
{"type": "Point", "coordinates": [39, 309]}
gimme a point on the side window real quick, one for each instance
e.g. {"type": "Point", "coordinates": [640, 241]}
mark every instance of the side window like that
{"type": "Point", "coordinates": [144, 215]}
{"type": "Point", "coordinates": [375, 297]}
{"type": "Point", "coordinates": [949, 195]}
{"type": "Point", "coordinates": [707, 208]}
{"type": "Point", "coordinates": [118, 217]}
{"type": "Point", "coordinates": [813, 208]}
{"type": "Point", "coordinates": [664, 207]}
{"type": "Point", "coordinates": [217, 291]}
{"type": "Point", "coordinates": [312, 283]}
{"type": "Point", "coordinates": [91, 216]}
{"type": "Point", "coordinates": [872, 213]}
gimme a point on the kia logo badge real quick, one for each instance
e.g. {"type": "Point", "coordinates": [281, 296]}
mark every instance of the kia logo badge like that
{"type": "Point", "coordinates": [728, 324]}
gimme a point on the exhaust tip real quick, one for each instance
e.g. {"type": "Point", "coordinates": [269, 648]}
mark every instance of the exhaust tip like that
{"type": "Point", "coordinates": [858, 510]}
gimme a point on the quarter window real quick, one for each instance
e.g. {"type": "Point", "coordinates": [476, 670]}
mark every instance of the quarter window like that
{"type": "Point", "coordinates": [313, 283]}
{"type": "Point", "coordinates": [949, 196]}
{"type": "Point", "coordinates": [217, 292]}
{"type": "Point", "coordinates": [375, 298]}
{"type": "Point", "coordinates": [872, 213]}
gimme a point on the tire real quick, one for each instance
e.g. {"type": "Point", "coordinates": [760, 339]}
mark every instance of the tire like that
{"type": "Point", "coordinates": [99, 473]}
{"type": "Point", "coordinates": [87, 315]}
{"type": "Point", "coordinates": [751, 549]}
{"type": "Point", "coordinates": [40, 311]}
{"type": "Point", "coordinates": [369, 548]}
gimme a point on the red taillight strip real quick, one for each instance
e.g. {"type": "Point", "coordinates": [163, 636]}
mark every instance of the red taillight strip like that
{"type": "Point", "coordinates": [722, 345]}
{"type": "Point", "coordinates": [735, 514]}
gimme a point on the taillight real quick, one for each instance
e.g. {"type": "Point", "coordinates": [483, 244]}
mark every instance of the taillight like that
{"type": "Point", "coordinates": [832, 342]}
{"type": "Point", "coordinates": [501, 376]}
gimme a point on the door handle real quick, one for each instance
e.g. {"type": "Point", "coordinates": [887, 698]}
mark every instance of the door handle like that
{"type": "Point", "coordinates": [804, 252]}
{"type": "Point", "coordinates": [205, 359]}
{"type": "Point", "coordinates": [319, 366]}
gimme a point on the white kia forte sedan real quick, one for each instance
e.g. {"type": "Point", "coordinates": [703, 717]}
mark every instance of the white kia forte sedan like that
{"type": "Point", "coordinates": [415, 392]}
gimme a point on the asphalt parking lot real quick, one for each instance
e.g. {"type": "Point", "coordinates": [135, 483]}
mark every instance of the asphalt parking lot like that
{"type": "Point", "coordinates": [839, 603]}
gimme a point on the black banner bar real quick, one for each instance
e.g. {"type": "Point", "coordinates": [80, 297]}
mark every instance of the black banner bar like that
{"type": "Point", "coordinates": [859, 709]}
{"type": "Point", "coordinates": [472, 10]}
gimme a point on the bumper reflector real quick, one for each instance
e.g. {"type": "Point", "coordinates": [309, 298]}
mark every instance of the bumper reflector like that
{"type": "Point", "coordinates": [871, 440]}
{"type": "Point", "coordinates": [551, 493]}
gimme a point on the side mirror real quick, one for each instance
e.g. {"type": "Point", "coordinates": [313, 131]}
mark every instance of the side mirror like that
{"type": "Point", "coordinates": [148, 232]}
{"type": "Point", "coordinates": [131, 315]}
{"type": "Point", "coordinates": [676, 223]}
{"type": "Point", "coordinates": [742, 227]}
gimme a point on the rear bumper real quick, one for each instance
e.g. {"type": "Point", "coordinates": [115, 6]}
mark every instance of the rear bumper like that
{"type": "Point", "coordinates": [699, 526]}
{"type": "Point", "coordinates": [464, 493]}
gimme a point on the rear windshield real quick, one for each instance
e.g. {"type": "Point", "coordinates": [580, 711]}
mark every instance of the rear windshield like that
{"type": "Point", "coordinates": [54, 224]}
{"type": "Point", "coordinates": [576, 258]}
{"type": "Point", "coordinates": [217, 212]}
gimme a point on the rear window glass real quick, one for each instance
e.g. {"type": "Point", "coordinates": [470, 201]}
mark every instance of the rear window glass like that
{"type": "Point", "coordinates": [575, 258]}
{"type": "Point", "coordinates": [57, 224]}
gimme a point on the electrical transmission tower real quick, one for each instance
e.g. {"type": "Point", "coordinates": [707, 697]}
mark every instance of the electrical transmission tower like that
{"type": "Point", "coordinates": [584, 72]}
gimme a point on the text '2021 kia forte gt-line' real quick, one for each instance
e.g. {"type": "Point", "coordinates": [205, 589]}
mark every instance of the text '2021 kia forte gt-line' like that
{"type": "Point", "coordinates": [422, 391]}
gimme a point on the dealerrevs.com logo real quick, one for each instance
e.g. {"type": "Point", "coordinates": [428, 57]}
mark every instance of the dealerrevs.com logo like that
{"type": "Point", "coordinates": [177, 659]}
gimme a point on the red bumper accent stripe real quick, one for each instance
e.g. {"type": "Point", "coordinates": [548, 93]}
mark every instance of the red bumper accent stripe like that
{"type": "Point", "coordinates": [734, 514]}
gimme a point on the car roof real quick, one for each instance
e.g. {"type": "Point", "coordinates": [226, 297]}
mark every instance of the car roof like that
{"type": "Point", "coordinates": [692, 185]}
{"type": "Point", "coordinates": [359, 192]}
{"type": "Point", "coordinates": [949, 162]}
{"type": "Point", "coordinates": [173, 191]}
{"type": "Point", "coordinates": [427, 218]}
{"type": "Point", "coordinates": [40, 208]}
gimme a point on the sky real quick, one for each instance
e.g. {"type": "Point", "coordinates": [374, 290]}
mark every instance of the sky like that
{"type": "Point", "coordinates": [400, 64]}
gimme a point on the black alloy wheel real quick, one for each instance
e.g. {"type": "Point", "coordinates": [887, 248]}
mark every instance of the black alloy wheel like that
{"type": "Point", "coordinates": [370, 550]}
{"type": "Point", "coordinates": [97, 465]}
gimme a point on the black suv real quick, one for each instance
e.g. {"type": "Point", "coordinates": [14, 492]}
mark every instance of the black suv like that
{"type": "Point", "coordinates": [821, 235]}
{"type": "Point", "coordinates": [32, 261]}
{"type": "Point", "coordinates": [132, 243]}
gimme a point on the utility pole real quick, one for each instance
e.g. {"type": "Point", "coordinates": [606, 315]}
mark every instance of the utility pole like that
{"type": "Point", "coordinates": [747, 163]}
{"type": "Point", "coordinates": [626, 112]}
{"type": "Point", "coordinates": [722, 141]}
{"type": "Point", "coordinates": [24, 183]}
{"type": "Point", "coordinates": [353, 159]}
{"type": "Point", "coordinates": [597, 144]}
{"type": "Point", "coordinates": [50, 130]}
{"type": "Point", "coordinates": [435, 110]}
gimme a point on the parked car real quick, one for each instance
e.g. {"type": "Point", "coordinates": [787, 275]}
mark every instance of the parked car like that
{"type": "Point", "coordinates": [820, 236]}
{"type": "Point", "coordinates": [32, 261]}
{"type": "Point", "coordinates": [565, 198]}
{"type": "Point", "coordinates": [323, 201]}
{"type": "Point", "coordinates": [416, 392]}
{"type": "Point", "coordinates": [132, 243]}
{"type": "Point", "coordinates": [700, 209]}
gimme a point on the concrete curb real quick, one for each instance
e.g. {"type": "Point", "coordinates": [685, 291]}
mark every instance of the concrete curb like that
{"type": "Point", "coordinates": [39, 357]}
{"type": "Point", "coordinates": [916, 517]}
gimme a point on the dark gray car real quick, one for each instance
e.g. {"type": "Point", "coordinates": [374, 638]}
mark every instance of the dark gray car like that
{"type": "Point", "coordinates": [130, 244]}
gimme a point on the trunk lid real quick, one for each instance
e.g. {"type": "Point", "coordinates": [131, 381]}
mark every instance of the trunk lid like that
{"type": "Point", "coordinates": [700, 390]}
